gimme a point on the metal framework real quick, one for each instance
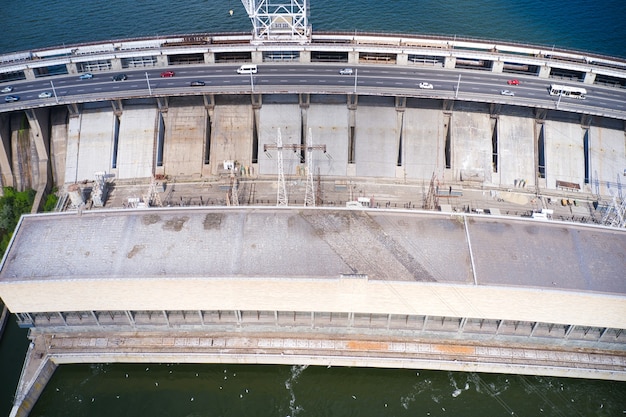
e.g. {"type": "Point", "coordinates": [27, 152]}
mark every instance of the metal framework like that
{"type": "Point", "coordinates": [279, 20]}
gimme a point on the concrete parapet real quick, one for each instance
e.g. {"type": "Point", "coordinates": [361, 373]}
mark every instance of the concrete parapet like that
{"type": "Point", "coordinates": [37, 371]}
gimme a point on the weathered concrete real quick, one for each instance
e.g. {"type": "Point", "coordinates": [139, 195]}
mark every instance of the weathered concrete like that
{"type": "Point", "coordinates": [471, 146]}
{"type": "Point", "coordinates": [231, 135]}
{"type": "Point", "coordinates": [135, 154]}
{"type": "Point", "coordinates": [58, 145]}
{"type": "Point", "coordinates": [287, 118]}
{"type": "Point", "coordinates": [423, 139]}
{"type": "Point", "coordinates": [564, 153]}
{"type": "Point", "coordinates": [185, 132]}
{"type": "Point", "coordinates": [329, 126]}
{"type": "Point", "coordinates": [606, 153]}
{"type": "Point", "coordinates": [95, 147]}
{"type": "Point", "coordinates": [6, 172]}
{"type": "Point", "coordinates": [516, 151]}
{"type": "Point", "coordinates": [72, 146]}
{"type": "Point", "coordinates": [377, 141]}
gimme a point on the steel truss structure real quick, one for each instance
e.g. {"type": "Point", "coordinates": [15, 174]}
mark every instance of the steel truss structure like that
{"type": "Point", "coordinates": [279, 20]}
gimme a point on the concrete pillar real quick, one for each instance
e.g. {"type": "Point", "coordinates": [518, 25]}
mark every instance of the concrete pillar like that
{"type": "Point", "coordinates": [305, 57]}
{"type": "Point", "coordinates": [497, 66]}
{"type": "Point", "coordinates": [209, 58]}
{"type": "Point", "coordinates": [449, 62]}
{"type": "Point", "coordinates": [29, 73]}
{"type": "Point", "coordinates": [544, 72]}
{"type": "Point", "coordinates": [6, 172]}
{"type": "Point", "coordinates": [116, 64]}
{"type": "Point", "coordinates": [162, 60]}
{"type": "Point", "coordinates": [353, 57]}
{"type": "Point", "coordinates": [71, 68]}
{"type": "Point", "coordinates": [590, 77]}
{"type": "Point", "coordinates": [37, 120]}
{"type": "Point", "coordinates": [402, 59]}
{"type": "Point", "coordinates": [257, 57]}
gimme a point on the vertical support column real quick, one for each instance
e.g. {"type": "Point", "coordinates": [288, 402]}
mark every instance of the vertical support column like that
{"type": "Point", "coordinates": [402, 59]}
{"type": "Point", "coordinates": [201, 317]}
{"type": "Point", "coordinates": [388, 321]}
{"type": "Point", "coordinates": [425, 322]}
{"type": "Point", "coordinates": [71, 68]}
{"type": "Point", "coordinates": [167, 319]}
{"type": "Point", "coordinates": [257, 57]}
{"type": "Point", "coordinates": [312, 319]}
{"type": "Point", "coordinates": [569, 330]}
{"type": "Point", "coordinates": [36, 120]}
{"type": "Point", "coordinates": [305, 57]}
{"type": "Point", "coordinates": [162, 60]}
{"type": "Point", "coordinates": [544, 71]}
{"type": "Point", "coordinates": [29, 73]}
{"type": "Point", "coordinates": [400, 146]}
{"type": "Point", "coordinates": [238, 315]}
{"type": "Point", "coordinates": [590, 77]}
{"type": "Point", "coordinates": [116, 64]}
{"type": "Point", "coordinates": [500, 322]}
{"type": "Point", "coordinates": [352, 100]}
{"type": "Point", "coordinates": [449, 62]}
{"type": "Point", "coordinates": [209, 58]}
{"type": "Point", "coordinates": [533, 328]}
{"type": "Point", "coordinates": [6, 170]}
{"type": "Point", "coordinates": [62, 318]}
{"type": "Point", "coordinates": [353, 57]}
{"type": "Point", "coordinates": [497, 66]}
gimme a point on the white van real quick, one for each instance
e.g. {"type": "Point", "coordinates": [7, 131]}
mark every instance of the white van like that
{"type": "Point", "coordinates": [247, 69]}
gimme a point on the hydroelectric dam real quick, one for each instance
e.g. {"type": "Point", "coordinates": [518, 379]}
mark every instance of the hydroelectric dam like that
{"type": "Point", "coordinates": [297, 215]}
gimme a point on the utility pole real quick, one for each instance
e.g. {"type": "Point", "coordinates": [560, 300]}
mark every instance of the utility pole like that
{"type": "Point", "coordinates": [54, 91]}
{"type": "Point", "coordinates": [148, 81]}
{"type": "Point", "coordinates": [458, 85]}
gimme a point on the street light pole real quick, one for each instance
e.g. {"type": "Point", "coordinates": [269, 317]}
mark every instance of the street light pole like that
{"type": "Point", "coordinates": [458, 85]}
{"type": "Point", "coordinates": [356, 75]}
{"type": "Point", "coordinates": [251, 82]}
{"type": "Point", "coordinates": [54, 91]}
{"type": "Point", "coordinates": [148, 81]}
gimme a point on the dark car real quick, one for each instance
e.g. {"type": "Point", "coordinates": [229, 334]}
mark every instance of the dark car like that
{"type": "Point", "coordinates": [120, 77]}
{"type": "Point", "coordinates": [197, 84]}
{"type": "Point", "coordinates": [10, 99]}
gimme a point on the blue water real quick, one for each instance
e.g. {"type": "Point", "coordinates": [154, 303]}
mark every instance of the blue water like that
{"type": "Point", "coordinates": [597, 26]}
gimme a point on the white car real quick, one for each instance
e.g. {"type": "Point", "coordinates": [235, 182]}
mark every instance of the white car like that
{"type": "Point", "coordinates": [507, 93]}
{"type": "Point", "coordinates": [427, 86]}
{"type": "Point", "coordinates": [45, 94]}
{"type": "Point", "coordinates": [7, 89]}
{"type": "Point", "coordinates": [345, 71]}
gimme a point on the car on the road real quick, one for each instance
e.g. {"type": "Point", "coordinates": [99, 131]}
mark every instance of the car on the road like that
{"type": "Point", "coordinates": [507, 93]}
{"type": "Point", "coordinates": [427, 86]}
{"type": "Point", "coordinates": [197, 83]}
{"type": "Point", "coordinates": [45, 94]}
{"type": "Point", "coordinates": [345, 71]}
{"type": "Point", "coordinates": [167, 74]}
{"type": "Point", "coordinates": [7, 89]}
{"type": "Point", "coordinates": [10, 99]}
{"type": "Point", "coordinates": [513, 82]}
{"type": "Point", "coordinates": [86, 76]}
{"type": "Point", "coordinates": [120, 77]}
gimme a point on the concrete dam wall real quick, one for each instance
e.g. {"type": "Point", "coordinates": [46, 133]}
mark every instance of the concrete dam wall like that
{"type": "Point", "coordinates": [375, 137]}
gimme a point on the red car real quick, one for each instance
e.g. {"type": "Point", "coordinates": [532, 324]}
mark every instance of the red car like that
{"type": "Point", "coordinates": [513, 82]}
{"type": "Point", "coordinates": [166, 74]}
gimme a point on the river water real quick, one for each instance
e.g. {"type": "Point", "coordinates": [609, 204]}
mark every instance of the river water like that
{"type": "Point", "coordinates": [236, 390]}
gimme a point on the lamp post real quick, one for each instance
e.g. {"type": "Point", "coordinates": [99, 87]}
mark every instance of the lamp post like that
{"type": "Point", "coordinates": [148, 81]}
{"type": "Point", "coordinates": [458, 85]}
{"type": "Point", "coordinates": [54, 91]}
{"type": "Point", "coordinates": [356, 75]}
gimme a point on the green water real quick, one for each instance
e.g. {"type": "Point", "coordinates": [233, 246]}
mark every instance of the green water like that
{"type": "Point", "coordinates": [243, 390]}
